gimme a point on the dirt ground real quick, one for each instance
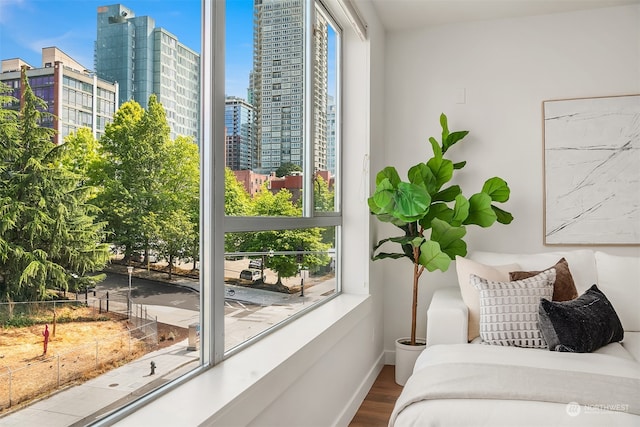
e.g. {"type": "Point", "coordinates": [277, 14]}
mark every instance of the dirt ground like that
{"type": "Point", "coordinates": [72, 353]}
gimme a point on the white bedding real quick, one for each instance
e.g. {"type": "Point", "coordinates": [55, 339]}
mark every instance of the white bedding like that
{"type": "Point", "coordinates": [507, 412]}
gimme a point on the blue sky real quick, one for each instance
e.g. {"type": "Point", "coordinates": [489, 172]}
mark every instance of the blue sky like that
{"type": "Point", "coordinates": [26, 26]}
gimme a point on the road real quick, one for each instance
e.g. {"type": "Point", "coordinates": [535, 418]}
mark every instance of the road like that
{"type": "Point", "coordinates": [160, 294]}
{"type": "Point", "coordinates": [151, 292]}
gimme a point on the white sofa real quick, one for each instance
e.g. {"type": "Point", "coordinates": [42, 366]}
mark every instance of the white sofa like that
{"type": "Point", "coordinates": [459, 383]}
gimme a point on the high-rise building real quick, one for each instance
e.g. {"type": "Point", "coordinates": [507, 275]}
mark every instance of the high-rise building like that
{"type": "Point", "coordinates": [277, 84]}
{"type": "Point", "coordinates": [75, 97]}
{"type": "Point", "coordinates": [240, 139]}
{"type": "Point", "coordinates": [146, 59]}
{"type": "Point", "coordinates": [331, 135]}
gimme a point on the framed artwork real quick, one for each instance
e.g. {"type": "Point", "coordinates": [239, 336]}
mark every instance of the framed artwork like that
{"type": "Point", "coordinates": [592, 171]}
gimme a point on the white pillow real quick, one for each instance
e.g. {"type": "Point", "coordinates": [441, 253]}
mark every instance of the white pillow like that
{"type": "Point", "coordinates": [509, 310]}
{"type": "Point", "coordinates": [465, 268]}
{"type": "Point", "coordinates": [582, 263]}
{"type": "Point", "coordinates": [619, 280]}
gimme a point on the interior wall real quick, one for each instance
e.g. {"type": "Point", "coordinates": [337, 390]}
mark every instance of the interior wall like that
{"type": "Point", "coordinates": [490, 78]}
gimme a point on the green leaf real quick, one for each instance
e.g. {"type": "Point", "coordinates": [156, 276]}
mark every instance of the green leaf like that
{"type": "Point", "coordinates": [460, 211]}
{"type": "Point", "coordinates": [459, 165]}
{"type": "Point", "coordinates": [435, 146]}
{"type": "Point", "coordinates": [382, 200]}
{"type": "Point", "coordinates": [432, 258]}
{"type": "Point", "coordinates": [442, 169]}
{"type": "Point", "coordinates": [391, 174]}
{"type": "Point", "coordinates": [447, 195]}
{"type": "Point", "coordinates": [437, 210]}
{"type": "Point", "coordinates": [445, 127]}
{"type": "Point", "coordinates": [448, 237]}
{"type": "Point", "coordinates": [503, 217]}
{"type": "Point", "coordinates": [480, 211]}
{"type": "Point", "coordinates": [421, 175]}
{"type": "Point", "coordinates": [411, 202]}
{"type": "Point", "coordinates": [497, 189]}
{"type": "Point", "coordinates": [452, 139]}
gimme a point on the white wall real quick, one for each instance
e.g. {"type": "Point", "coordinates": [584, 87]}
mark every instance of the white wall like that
{"type": "Point", "coordinates": [506, 69]}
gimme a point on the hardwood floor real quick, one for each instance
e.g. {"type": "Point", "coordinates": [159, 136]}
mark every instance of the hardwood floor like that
{"type": "Point", "coordinates": [377, 406]}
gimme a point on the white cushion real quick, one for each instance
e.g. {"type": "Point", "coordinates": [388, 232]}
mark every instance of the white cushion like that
{"type": "Point", "coordinates": [465, 268]}
{"type": "Point", "coordinates": [509, 310]}
{"type": "Point", "coordinates": [582, 264]}
{"type": "Point", "coordinates": [619, 280]}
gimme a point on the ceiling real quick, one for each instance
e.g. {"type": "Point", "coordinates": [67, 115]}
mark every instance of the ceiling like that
{"type": "Point", "coordinates": [411, 14]}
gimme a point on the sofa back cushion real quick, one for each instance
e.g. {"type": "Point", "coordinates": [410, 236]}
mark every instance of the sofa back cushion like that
{"type": "Point", "coordinates": [619, 279]}
{"type": "Point", "coordinates": [582, 264]}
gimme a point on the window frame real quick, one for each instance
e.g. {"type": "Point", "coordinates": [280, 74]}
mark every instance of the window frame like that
{"type": "Point", "coordinates": [213, 221]}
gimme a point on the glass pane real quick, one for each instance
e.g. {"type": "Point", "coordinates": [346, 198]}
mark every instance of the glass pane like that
{"type": "Point", "coordinates": [265, 100]}
{"type": "Point", "coordinates": [271, 276]}
{"type": "Point", "coordinates": [126, 298]}
{"type": "Point", "coordinates": [326, 137]}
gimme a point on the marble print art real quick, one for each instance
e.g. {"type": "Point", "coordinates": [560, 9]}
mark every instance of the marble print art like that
{"type": "Point", "coordinates": [592, 171]}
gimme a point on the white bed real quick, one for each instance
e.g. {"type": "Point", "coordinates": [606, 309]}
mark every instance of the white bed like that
{"type": "Point", "coordinates": [509, 386]}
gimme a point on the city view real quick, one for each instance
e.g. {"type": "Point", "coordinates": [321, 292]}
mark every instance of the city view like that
{"type": "Point", "coordinates": [102, 269]}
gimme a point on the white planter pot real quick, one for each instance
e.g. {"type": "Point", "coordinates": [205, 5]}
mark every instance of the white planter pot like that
{"type": "Point", "coordinates": [406, 356]}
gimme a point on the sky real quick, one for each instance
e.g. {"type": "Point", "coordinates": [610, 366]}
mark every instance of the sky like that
{"type": "Point", "coordinates": [26, 26]}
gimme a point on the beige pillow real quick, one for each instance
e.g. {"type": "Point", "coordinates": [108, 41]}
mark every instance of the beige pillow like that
{"type": "Point", "coordinates": [471, 297]}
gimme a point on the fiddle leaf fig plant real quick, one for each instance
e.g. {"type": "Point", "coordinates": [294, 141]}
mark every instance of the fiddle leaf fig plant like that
{"type": "Point", "coordinates": [432, 216]}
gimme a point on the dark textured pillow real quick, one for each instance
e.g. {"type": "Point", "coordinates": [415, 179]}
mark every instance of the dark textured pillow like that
{"type": "Point", "coordinates": [564, 289]}
{"type": "Point", "coordinates": [581, 325]}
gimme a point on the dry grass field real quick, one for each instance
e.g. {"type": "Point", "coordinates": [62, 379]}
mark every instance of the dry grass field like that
{"type": "Point", "coordinates": [82, 347]}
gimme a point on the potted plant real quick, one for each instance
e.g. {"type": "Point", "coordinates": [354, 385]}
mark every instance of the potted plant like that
{"type": "Point", "coordinates": [431, 215]}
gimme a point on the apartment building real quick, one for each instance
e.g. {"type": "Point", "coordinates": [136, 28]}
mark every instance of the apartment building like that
{"type": "Point", "coordinates": [75, 96]}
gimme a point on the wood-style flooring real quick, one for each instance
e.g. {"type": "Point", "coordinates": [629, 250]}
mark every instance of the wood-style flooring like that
{"type": "Point", "coordinates": [377, 406]}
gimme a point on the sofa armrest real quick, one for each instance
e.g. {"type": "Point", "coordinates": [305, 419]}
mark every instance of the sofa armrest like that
{"type": "Point", "coordinates": [447, 318]}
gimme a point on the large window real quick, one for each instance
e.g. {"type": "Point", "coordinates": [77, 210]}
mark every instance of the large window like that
{"type": "Point", "coordinates": [220, 174]}
{"type": "Point", "coordinates": [282, 215]}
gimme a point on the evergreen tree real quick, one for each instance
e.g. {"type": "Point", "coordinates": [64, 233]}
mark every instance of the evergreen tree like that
{"type": "Point", "coordinates": [49, 238]}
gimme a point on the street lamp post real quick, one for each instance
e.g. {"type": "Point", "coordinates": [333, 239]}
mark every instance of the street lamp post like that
{"type": "Point", "coordinates": [130, 271]}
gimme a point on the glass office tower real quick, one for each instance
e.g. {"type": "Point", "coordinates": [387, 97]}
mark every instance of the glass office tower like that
{"type": "Point", "coordinates": [146, 59]}
{"type": "Point", "coordinates": [241, 145]}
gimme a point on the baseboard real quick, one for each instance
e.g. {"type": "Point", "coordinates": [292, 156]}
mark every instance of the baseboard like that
{"type": "Point", "coordinates": [389, 357]}
{"type": "Point", "coordinates": [354, 403]}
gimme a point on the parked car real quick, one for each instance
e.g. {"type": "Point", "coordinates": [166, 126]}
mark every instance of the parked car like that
{"type": "Point", "coordinates": [255, 263]}
{"type": "Point", "coordinates": [251, 274]}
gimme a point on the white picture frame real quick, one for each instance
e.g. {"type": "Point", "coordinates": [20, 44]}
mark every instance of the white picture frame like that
{"type": "Point", "coordinates": [592, 171]}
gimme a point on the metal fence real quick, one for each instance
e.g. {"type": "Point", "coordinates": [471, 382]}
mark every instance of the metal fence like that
{"type": "Point", "coordinates": [43, 376]}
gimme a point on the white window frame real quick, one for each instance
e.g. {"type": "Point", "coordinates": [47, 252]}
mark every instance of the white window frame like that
{"type": "Point", "coordinates": [213, 157]}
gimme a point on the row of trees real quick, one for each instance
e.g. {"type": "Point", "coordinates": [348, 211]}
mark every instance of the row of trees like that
{"type": "Point", "coordinates": [136, 189]}
{"type": "Point", "coordinates": [61, 207]}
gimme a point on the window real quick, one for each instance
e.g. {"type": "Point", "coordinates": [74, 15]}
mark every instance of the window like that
{"type": "Point", "coordinates": [291, 225]}
{"type": "Point", "coordinates": [269, 246]}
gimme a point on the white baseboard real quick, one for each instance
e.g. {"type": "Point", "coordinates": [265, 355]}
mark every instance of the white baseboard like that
{"type": "Point", "coordinates": [354, 403]}
{"type": "Point", "coordinates": [389, 357]}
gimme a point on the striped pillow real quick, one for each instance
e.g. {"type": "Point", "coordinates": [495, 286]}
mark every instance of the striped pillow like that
{"type": "Point", "coordinates": [509, 310]}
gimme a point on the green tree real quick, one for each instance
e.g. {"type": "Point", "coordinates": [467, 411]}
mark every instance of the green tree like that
{"type": "Point", "coordinates": [237, 201]}
{"type": "Point", "coordinates": [132, 159]}
{"type": "Point", "coordinates": [306, 246]}
{"type": "Point", "coordinates": [179, 213]}
{"type": "Point", "coordinates": [287, 169]}
{"type": "Point", "coordinates": [49, 238]}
